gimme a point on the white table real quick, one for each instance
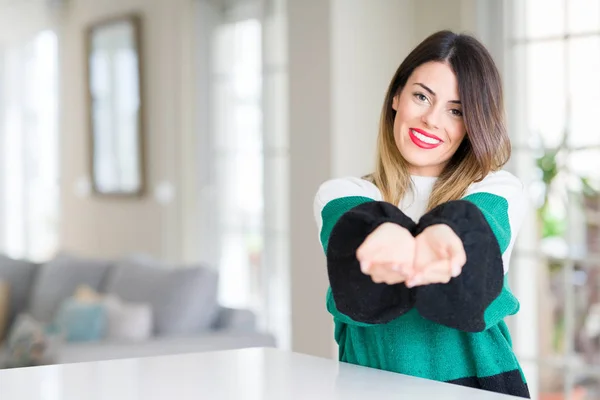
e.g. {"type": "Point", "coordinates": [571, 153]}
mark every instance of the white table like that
{"type": "Point", "coordinates": [248, 374]}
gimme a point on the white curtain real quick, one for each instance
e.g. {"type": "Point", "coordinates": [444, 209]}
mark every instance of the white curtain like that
{"type": "Point", "coordinates": [29, 158]}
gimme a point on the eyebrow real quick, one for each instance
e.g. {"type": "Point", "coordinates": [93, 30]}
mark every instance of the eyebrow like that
{"type": "Point", "coordinates": [433, 93]}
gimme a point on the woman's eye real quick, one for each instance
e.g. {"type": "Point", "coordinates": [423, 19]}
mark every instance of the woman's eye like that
{"type": "Point", "coordinates": [456, 113]}
{"type": "Point", "coordinates": [421, 97]}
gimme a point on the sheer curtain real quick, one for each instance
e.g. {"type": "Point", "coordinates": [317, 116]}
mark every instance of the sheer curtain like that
{"type": "Point", "coordinates": [244, 159]}
{"type": "Point", "coordinates": [237, 154]}
{"type": "Point", "coordinates": [29, 156]}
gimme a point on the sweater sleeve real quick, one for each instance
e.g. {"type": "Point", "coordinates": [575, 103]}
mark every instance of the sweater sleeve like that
{"type": "Point", "coordinates": [347, 211]}
{"type": "Point", "coordinates": [487, 221]}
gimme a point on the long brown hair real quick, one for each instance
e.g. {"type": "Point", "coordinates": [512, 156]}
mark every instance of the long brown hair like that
{"type": "Point", "coordinates": [486, 146]}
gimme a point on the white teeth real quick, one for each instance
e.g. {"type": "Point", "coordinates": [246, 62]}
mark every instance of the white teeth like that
{"type": "Point", "coordinates": [424, 138]}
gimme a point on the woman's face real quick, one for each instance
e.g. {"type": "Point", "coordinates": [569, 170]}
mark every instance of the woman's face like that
{"type": "Point", "coordinates": [429, 125]}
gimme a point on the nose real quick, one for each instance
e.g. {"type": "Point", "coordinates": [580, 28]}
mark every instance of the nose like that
{"type": "Point", "coordinates": [431, 118]}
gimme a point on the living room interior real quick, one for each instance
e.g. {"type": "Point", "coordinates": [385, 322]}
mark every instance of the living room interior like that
{"type": "Point", "coordinates": [193, 223]}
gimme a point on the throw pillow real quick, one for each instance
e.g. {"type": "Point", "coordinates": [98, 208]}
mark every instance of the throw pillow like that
{"type": "Point", "coordinates": [81, 321]}
{"type": "Point", "coordinates": [87, 294]}
{"type": "Point", "coordinates": [124, 321]}
{"type": "Point", "coordinates": [128, 321]}
{"type": "Point", "coordinates": [29, 344]}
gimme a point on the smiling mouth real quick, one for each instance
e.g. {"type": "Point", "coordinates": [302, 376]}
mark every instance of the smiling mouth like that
{"type": "Point", "coordinates": [423, 139]}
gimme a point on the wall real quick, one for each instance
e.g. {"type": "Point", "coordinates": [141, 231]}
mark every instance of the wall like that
{"type": "Point", "coordinates": [109, 227]}
{"type": "Point", "coordinates": [369, 41]}
{"type": "Point", "coordinates": [457, 15]}
{"type": "Point", "coordinates": [310, 163]}
{"type": "Point", "coordinates": [21, 20]}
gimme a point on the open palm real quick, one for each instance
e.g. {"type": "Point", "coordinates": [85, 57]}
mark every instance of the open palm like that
{"type": "Point", "coordinates": [387, 254]}
{"type": "Point", "coordinates": [439, 256]}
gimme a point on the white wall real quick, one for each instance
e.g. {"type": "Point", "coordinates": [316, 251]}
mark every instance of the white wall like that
{"type": "Point", "coordinates": [20, 21]}
{"type": "Point", "coordinates": [109, 227]}
{"type": "Point", "coordinates": [456, 15]}
{"type": "Point", "coordinates": [310, 120]}
{"type": "Point", "coordinates": [369, 41]}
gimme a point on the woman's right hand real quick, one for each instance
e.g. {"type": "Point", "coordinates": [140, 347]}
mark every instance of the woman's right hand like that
{"type": "Point", "coordinates": [387, 254]}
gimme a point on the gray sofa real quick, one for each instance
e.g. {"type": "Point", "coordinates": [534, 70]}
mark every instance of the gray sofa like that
{"type": "Point", "coordinates": [183, 300]}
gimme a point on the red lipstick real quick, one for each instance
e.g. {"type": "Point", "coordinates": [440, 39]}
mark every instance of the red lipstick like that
{"type": "Point", "coordinates": [422, 144]}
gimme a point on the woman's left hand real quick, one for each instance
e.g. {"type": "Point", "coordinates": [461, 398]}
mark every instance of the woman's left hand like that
{"type": "Point", "coordinates": [439, 256]}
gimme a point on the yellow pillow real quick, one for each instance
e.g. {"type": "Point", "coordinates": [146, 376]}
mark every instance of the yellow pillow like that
{"type": "Point", "coordinates": [4, 308]}
{"type": "Point", "coordinates": [87, 294]}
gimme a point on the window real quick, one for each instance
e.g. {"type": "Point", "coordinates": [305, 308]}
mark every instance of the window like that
{"type": "Point", "coordinates": [29, 161]}
{"type": "Point", "coordinates": [554, 46]}
{"type": "Point", "coordinates": [244, 157]}
{"type": "Point", "coordinates": [238, 160]}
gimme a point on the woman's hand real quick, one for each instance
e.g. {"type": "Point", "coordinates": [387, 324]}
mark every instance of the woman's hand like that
{"type": "Point", "coordinates": [387, 254]}
{"type": "Point", "coordinates": [439, 256]}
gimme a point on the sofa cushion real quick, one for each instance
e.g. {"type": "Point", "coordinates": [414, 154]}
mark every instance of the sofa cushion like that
{"type": "Point", "coordinates": [235, 320]}
{"type": "Point", "coordinates": [125, 321]}
{"type": "Point", "coordinates": [81, 321]}
{"type": "Point", "coordinates": [128, 321]}
{"type": "Point", "coordinates": [58, 279]}
{"type": "Point", "coordinates": [20, 276]}
{"type": "Point", "coordinates": [183, 299]}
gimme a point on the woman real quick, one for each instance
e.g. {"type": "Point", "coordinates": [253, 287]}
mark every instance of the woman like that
{"type": "Point", "coordinates": [418, 252]}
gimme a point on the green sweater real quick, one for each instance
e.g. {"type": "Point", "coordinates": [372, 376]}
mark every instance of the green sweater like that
{"type": "Point", "coordinates": [452, 332]}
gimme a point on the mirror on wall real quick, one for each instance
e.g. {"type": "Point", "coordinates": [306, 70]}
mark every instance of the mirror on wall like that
{"type": "Point", "coordinates": [115, 106]}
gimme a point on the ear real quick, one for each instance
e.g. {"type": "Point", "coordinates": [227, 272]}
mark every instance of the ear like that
{"type": "Point", "coordinates": [395, 101]}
